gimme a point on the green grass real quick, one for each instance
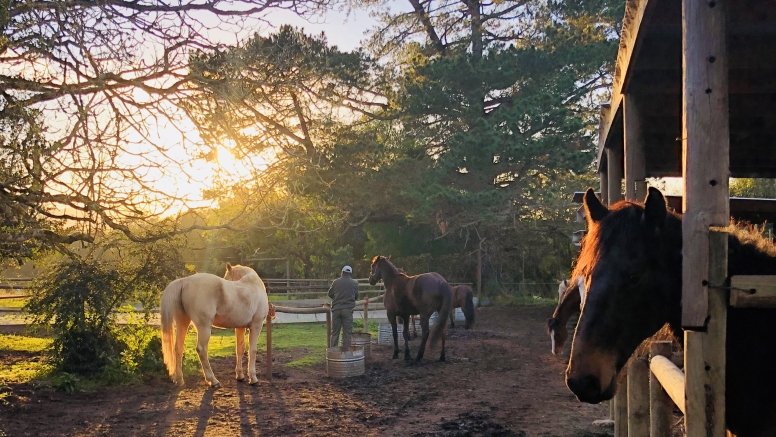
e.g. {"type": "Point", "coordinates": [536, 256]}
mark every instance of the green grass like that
{"type": "Point", "coordinates": [23, 370]}
{"type": "Point", "coordinates": [309, 337]}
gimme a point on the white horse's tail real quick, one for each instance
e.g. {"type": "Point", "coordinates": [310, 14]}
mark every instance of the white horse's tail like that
{"type": "Point", "coordinates": [169, 306]}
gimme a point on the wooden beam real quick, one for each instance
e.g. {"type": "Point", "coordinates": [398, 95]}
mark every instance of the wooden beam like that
{"type": "Point", "coordinates": [753, 291]}
{"type": "Point", "coordinates": [604, 124]}
{"type": "Point", "coordinates": [614, 178]}
{"type": "Point", "coordinates": [269, 349]}
{"type": "Point", "coordinates": [621, 407]}
{"type": "Point", "coordinates": [660, 404]}
{"type": "Point", "coordinates": [706, 147]}
{"type": "Point", "coordinates": [638, 398]}
{"type": "Point", "coordinates": [670, 378]}
{"type": "Point", "coordinates": [634, 145]}
{"type": "Point", "coordinates": [604, 178]}
{"type": "Point", "coordinates": [704, 353]}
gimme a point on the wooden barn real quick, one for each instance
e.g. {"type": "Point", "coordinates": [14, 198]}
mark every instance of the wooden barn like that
{"type": "Point", "coordinates": [694, 96]}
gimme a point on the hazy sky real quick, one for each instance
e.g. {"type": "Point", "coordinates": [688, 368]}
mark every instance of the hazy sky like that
{"type": "Point", "coordinates": [344, 30]}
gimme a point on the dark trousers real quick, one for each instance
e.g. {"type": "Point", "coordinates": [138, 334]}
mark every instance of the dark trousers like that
{"type": "Point", "coordinates": [341, 319]}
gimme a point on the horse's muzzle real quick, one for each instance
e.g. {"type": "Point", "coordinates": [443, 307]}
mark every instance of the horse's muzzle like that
{"type": "Point", "coordinates": [372, 280]}
{"type": "Point", "coordinates": [587, 388]}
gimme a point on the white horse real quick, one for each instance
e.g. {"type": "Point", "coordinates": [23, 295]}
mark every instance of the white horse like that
{"type": "Point", "coordinates": [238, 301]}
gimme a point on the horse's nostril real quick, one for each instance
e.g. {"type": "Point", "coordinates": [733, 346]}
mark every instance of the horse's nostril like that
{"type": "Point", "coordinates": [586, 387]}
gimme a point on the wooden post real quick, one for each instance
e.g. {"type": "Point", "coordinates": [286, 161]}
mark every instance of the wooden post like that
{"type": "Point", "coordinates": [638, 398]}
{"type": "Point", "coordinates": [704, 354]}
{"type": "Point", "coordinates": [635, 160]}
{"type": "Point", "coordinates": [269, 348]}
{"type": "Point", "coordinates": [660, 405]}
{"type": "Point", "coordinates": [328, 328]}
{"type": "Point", "coordinates": [288, 279]}
{"type": "Point", "coordinates": [604, 178]}
{"type": "Point", "coordinates": [479, 274]}
{"type": "Point", "coordinates": [614, 167]}
{"type": "Point", "coordinates": [621, 408]}
{"type": "Point", "coordinates": [366, 315]}
{"type": "Point", "coordinates": [706, 167]}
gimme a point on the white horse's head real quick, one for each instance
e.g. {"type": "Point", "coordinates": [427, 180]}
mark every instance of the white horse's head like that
{"type": "Point", "coordinates": [237, 272]}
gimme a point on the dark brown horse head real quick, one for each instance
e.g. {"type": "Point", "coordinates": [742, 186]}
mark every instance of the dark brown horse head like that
{"type": "Point", "coordinates": [381, 267]}
{"type": "Point", "coordinates": [631, 259]}
{"type": "Point", "coordinates": [568, 305]}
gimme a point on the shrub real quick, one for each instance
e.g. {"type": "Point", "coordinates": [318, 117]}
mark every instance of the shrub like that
{"type": "Point", "coordinates": [79, 299]}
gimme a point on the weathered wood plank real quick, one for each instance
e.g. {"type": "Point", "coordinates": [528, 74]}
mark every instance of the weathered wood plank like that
{"type": "Point", "coordinates": [635, 146]}
{"type": "Point", "coordinates": [621, 408]}
{"type": "Point", "coordinates": [660, 404]}
{"type": "Point", "coordinates": [615, 170]}
{"type": "Point", "coordinates": [761, 291]}
{"type": "Point", "coordinates": [704, 354]}
{"type": "Point", "coordinates": [706, 147]}
{"type": "Point", "coordinates": [638, 398]}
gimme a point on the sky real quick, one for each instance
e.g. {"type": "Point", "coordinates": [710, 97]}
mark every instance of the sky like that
{"type": "Point", "coordinates": [343, 29]}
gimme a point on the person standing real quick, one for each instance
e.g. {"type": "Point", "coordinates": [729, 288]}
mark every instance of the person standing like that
{"type": "Point", "coordinates": [343, 293]}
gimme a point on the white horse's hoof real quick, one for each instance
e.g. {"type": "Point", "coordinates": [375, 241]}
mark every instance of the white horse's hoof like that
{"type": "Point", "coordinates": [241, 378]}
{"type": "Point", "coordinates": [216, 385]}
{"type": "Point", "coordinates": [254, 381]}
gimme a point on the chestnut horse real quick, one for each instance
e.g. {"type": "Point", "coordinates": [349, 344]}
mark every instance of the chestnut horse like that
{"type": "Point", "coordinates": [463, 298]}
{"type": "Point", "coordinates": [407, 295]}
{"type": "Point", "coordinates": [632, 261]}
{"type": "Point", "coordinates": [570, 304]}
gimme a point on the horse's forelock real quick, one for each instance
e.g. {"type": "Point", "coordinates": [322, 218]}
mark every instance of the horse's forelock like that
{"type": "Point", "coordinates": [601, 234]}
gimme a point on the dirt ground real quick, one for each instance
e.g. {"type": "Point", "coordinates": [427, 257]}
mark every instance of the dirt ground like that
{"type": "Point", "coordinates": [499, 380]}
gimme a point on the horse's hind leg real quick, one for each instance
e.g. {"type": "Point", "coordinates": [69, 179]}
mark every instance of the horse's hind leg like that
{"type": "Point", "coordinates": [182, 323]}
{"type": "Point", "coordinates": [442, 357]}
{"type": "Point", "coordinates": [452, 318]}
{"type": "Point", "coordinates": [253, 343]}
{"type": "Point", "coordinates": [407, 337]}
{"type": "Point", "coordinates": [239, 351]}
{"type": "Point", "coordinates": [203, 338]}
{"type": "Point", "coordinates": [424, 338]}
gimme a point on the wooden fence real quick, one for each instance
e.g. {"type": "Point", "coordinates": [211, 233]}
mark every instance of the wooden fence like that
{"type": "Point", "coordinates": [644, 404]}
{"type": "Point", "coordinates": [325, 309]}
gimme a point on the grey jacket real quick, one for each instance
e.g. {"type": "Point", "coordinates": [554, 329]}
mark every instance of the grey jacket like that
{"type": "Point", "coordinates": [343, 293]}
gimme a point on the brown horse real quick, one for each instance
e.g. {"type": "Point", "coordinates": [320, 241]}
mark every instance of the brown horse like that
{"type": "Point", "coordinates": [463, 298]}
{"type": "Point", "coordinates": [406, 295]}
{"type": "Point", "coordinates": [632, 263]}
{"type": "Point", "coordinates": [570, 304]}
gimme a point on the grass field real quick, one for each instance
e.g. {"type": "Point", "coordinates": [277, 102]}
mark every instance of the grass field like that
{"type": "Point", "coordinates": [27, 363]}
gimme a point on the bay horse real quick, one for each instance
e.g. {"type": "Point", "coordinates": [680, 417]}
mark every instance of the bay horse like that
{"type": "Point", "coordinates": [408, 295]}
{"type": "Point", "coordinates": [239, 301]}
{"type": "Point", "coordinates": [463, 298]}
{"type": "Point", "coordinates": [632, 261]}
{"type": "Point", "coordinates": [570, 303]}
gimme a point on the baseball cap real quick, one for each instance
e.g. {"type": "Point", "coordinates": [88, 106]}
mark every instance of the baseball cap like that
{"type": "Point", "coordinates": [347, 269]}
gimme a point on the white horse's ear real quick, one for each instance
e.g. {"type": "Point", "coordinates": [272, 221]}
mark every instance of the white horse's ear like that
{"type": "Point", "coordinates": [228, 266]}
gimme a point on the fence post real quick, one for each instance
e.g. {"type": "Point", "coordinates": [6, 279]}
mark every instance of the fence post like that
{"type": "Point", "coordinates": [621, 407]}
{"type": "Point", "coordinates": [660, 405]}
{"type": "Point", "coordinates": [328, 328]}
{"type": "Point", "coordinates": [638, 398]}
{"type": "Point", "coordinates": [366, 314]}
{"type": "Point", "coordinates": [269, 348]}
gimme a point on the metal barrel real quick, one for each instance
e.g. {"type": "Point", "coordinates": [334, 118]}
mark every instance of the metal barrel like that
{"type": "Point", "coordinates": [363, 339]}
{"type": "Point", "coordinates": [344, 362]}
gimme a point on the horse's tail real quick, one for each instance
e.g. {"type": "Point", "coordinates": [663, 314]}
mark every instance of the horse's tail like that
{"type": "Point", "coordinates": [440, 327]}
{"type": "Point", "coordinates": [171, 302]}
{"type": "Point", "coordinates": [468, 308]}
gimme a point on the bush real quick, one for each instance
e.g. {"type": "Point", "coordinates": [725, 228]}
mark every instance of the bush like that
{"type": "Point", "coordinates": [79, 300]}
